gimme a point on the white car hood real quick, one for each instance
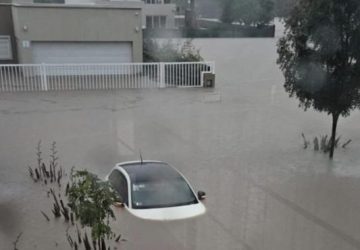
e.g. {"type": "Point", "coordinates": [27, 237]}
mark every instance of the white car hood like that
{"type": "Point", "coordinates": [169, 213]}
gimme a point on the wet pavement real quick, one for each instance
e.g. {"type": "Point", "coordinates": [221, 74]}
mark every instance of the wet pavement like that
{"type": "Point", "coordinates": [240, 142]}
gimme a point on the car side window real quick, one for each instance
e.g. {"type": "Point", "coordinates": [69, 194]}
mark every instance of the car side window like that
{"type": "Point", "coordinates": [119, 183]}
{"type": "Point", "coordinates": [124, 188]}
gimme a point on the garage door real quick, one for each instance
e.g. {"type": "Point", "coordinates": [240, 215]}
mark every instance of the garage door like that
{"type": "Point", "coordinates": [81, 52]}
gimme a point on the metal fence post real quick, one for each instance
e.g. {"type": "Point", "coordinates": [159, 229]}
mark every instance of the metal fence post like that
{"type": "Point", "coordinates": [213, 67]}
{"type": "Point", "coordinates": [44, 85]}
{"type": "Point", "coordinates": [162, 75]}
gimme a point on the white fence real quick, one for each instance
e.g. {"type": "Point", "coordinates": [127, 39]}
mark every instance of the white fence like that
{"type": "Point", "coordinates": [50, 77]}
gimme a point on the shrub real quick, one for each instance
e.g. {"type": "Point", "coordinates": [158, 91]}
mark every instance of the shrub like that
{"type": "Point", "coordinates": [170, 51]}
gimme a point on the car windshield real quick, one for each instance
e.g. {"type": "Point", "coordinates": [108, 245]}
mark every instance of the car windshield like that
{"type": "Point", "coordinates": [157, 185]}
{"type": "Point", "coordinates": [164, 193]}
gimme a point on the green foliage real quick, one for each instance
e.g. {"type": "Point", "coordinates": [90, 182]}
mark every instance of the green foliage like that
{"type": "Point", "coordinates": [188, 53]}
{"type": "Point", "coordinates": [227, 15]}
{"type": "Point", "coordinates": [170, 52]}
{"type": "Point", "coordinates": [320, 56]}
{"type": "Point", "coordinates": [265, 11]}
{"type": "Point", "coordinates": [248, 12]}
{"type": "Point", "coordinates": [90, 199]}
{"type": "Point", "coordinates": [181, 6]}
{"type": "Point", "coordinates": [283, 8]}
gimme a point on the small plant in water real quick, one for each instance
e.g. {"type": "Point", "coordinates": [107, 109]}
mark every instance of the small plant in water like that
{"type": "Point", "coordinates": [323, 143]}
{"type": "Point", "coordinates": [86, 200]}
{"type": "Point", "coordinates": [91, 199]}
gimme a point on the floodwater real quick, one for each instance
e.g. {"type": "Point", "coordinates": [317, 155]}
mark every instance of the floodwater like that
{"type": "Point", "coordinates": [240, 142]}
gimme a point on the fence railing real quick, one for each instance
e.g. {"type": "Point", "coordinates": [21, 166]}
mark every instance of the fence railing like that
{"type": "Point", "coordinates": [50, 77]}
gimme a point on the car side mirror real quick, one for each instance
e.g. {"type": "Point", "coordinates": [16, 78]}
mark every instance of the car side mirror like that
{"type": "Point", "coordinates": [201, 195]}
{"type": "Point", "coordinates": [118, 204]}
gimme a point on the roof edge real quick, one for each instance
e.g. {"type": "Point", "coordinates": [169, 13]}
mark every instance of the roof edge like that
{"type": "Point", "coordinates": [123, 5]}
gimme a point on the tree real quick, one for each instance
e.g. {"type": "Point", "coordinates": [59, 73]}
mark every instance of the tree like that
{"type": "Point", "coordinates": [208, 8]}
{"type": "Point", "coordinates": [248, 12]}
{"type": "Point", "coordinates": [320, 57]}
{"type": "Point", "coordinates": [190, 16]}
{"type": "Point", "coordinates": [283, 7]}
{"type": "Point", "coordinates": [181, 6]}
{"type": "Point", "coordinates": [266, 11]}
{"type": "Point", "coordinates": [227, 11]}
{"type": "Point", "coordinates": [169, 51]}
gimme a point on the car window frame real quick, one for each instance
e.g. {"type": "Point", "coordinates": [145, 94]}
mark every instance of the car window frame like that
{"type": "Point", "coordinates": [180, 175]}
{"type": "Point", "coordinates": [123, 183]}
{"type": "Point", "coordinates": [193, 202]}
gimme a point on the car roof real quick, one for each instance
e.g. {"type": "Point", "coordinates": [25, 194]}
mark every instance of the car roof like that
{"type": "Point", "coordinates": [148, 171]}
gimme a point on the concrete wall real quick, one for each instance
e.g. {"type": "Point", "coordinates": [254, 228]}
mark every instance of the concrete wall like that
{"type": "Point", "coordinates": [79, 1]}
{"type": "Point", "coordinates": [160, 9]}
{"type": "Point", "coordinates": [23, 1]}
{"type": "Point", "coordinates": [7, 29]}
{"type": "Point", "coordinates": [167, 10]}
{"type": "Point", "coordinates": [77, 23]}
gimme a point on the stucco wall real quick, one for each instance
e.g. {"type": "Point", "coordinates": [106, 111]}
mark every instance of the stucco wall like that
{"type": "Point", "coordinates": [167, 10]}
{"type": "Point", "coordinates": [79, 1]}
{"type": "Point", "coordinates": [6, 28]}
{"type": "Point", "coordinates": [76, 24]}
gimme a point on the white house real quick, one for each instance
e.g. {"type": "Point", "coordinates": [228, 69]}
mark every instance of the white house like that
{"type": "Point", "coordinates": [157, 14]}
{"type": "Point", "coordinates": [35, 33]}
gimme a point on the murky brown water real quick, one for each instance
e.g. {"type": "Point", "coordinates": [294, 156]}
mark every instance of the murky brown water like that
{"type": "Point", "coordinates": [239, 142]}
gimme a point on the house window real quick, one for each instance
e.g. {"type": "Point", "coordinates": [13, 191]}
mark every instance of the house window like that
{"type": "Point", "coordinates": [149, 23]}
{"type": "Point", "coordinates": [49, 1]}
{"type": "Point", "coordinates": [5, 48]}
{"type": "Point", "coordinates": [163, 21]}
{"type": "Point", "coordinates": [153, 1]}
{"type": "Point", "coordinates": [156, 22]}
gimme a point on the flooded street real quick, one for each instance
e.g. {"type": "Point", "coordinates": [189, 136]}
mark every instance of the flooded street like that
{"type": "Point", "coordinates": [240, 142]}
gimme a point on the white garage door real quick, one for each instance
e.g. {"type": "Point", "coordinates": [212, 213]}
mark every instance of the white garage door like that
{"type": "Point", "coordinates": [81, 52]}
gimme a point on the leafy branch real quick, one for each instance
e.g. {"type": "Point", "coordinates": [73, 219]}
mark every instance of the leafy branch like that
{"type": "Point", "coordinates": [91, 199]}
{"type": "Point", "coordinates": [85, 200]}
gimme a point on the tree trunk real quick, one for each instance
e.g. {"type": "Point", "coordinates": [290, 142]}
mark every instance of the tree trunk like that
{"type": "Point", "coordinates": [335, 118]}
{"type": "Point", "coordinates": [192, 5]}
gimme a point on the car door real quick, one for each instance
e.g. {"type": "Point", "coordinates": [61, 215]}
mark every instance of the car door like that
{"type": "Point", "coordinates": [119, 183]}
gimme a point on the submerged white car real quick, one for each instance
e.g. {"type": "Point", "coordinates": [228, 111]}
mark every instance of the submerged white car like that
{"type": "Point", "coordinates": [154, 190]}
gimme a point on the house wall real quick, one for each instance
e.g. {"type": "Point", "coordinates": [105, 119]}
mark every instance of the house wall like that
{"type": "Point", "coordinates": [158, 9]}
{"type": "Point", "coordinates": [167, 10]}
{"type": "Point", "coordinates": [77, 23]}
{"type": "Point", "coordinates": [79, 1]}
{"type": "Point", "coordinates": [7, 29]}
